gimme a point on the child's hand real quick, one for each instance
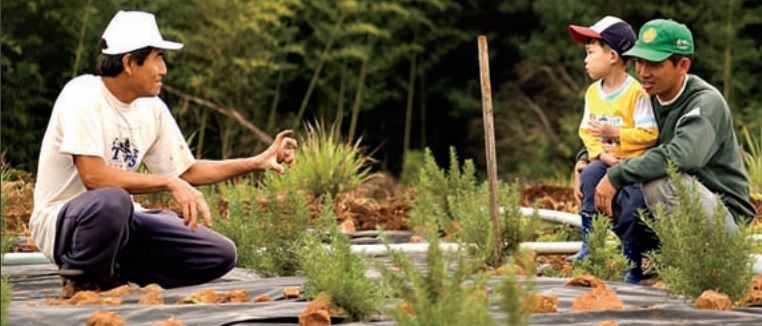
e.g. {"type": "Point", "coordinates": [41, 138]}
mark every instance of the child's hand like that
{"type": "Point", "coordinates": [603, 129]}
{"type": "Point", "coordinates": [581, 165]}
{"type": "Point", "coordinates": [610, 159]}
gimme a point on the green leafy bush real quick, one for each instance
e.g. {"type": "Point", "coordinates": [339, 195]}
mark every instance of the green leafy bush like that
{"type": "Point", "coordinates": [324, 164]}
{"type": "Point", "coordinates": [470, 211]}
{"type": "Point", "coordinates": [696, 253]}
{"type": "Point", "coordinates": [5, 244]}
{"type": "Point", "coordinates": [460, 207]}
{"type": "Point", "coordinates": [338, 272]}
{"type": "Point", "coordinates": [605, 259]}
{"type": "Point", "coordinates": [441, 295]}
{"type": "Point", "coordinates": [5, 300]}
{"type": "Point", "coordinates": [265, 225]}
{"type": "Point", "coordinates": [517, 300]}
{"type": "Point", "coordinates": [412, 163]}
{"type": "Point", "coordinates": [433, 187]}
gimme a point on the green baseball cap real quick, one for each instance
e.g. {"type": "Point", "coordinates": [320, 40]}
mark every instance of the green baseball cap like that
{"type": "Point", "coordinates": [660, 38]}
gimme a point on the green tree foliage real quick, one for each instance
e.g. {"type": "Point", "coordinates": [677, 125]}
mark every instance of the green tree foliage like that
{"type": "Point", "coordinates": [696, 253]}
{"type": "Point", "coordinates": [399, 73]}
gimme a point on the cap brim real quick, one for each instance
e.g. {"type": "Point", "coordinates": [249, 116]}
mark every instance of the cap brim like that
{"type": "Point", "coordinates": [168, 45]}
{"type": "Point", "coordinates": [580, 34]}
{"type": "Point", "coordinates": [647, 54]}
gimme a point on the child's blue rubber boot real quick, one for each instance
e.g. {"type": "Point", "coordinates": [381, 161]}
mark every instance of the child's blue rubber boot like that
{"type": "Point", "coordinates": [582, 253]}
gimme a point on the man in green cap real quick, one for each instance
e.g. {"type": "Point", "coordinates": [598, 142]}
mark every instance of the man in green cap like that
{"type": "Point", "coordinates": [695, 133]}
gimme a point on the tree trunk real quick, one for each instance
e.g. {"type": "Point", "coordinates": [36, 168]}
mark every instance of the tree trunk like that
{"type": "Point", "coordinates": [80, 44]}
{"type": "Point", "coordinates": [358, 101]}
{"type": "Point", "coordinates": [409, 106]}
{"type": "Point", "coordinates": [727, 66]}
{"type": "Point", "coordinates": [316, 74]}
{"type": "Point", "coordinates": [340, 105]}
{"type": "Point", "coordinates": [274, 105]}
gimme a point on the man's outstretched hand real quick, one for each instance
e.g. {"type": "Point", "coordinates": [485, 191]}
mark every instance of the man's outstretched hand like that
{"type": "Point", "coordinates": [281, 151]}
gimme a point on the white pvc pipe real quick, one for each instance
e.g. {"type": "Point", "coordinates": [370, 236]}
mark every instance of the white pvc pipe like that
{"type": "Point", "coordinates": [553, 216]}
{"type": "Point", "coordinates": [24, 258]}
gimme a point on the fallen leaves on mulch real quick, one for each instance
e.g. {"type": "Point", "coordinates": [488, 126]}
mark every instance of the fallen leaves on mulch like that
{"type": "Point", "coordinates": [586, 281]}
{"type": "Point", "coordinates": [105, 318]}
{"type": "Point", "coordinates": [713, 300]}
{"type": "Point", "coordinates": [550, 197]}
{"type": "Point", "coordinates": [598, 298]}
{"type": "Point", "coordinates": [210, 296]}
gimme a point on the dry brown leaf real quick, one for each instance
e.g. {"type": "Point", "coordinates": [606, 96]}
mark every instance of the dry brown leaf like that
{"type": "Point", "coordinates": [290, 292]}
{"type": "Point", "coordinates": [262, 298]}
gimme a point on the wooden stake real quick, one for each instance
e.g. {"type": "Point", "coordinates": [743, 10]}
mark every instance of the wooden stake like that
{"type": "Point", "coordinates": [489, 140]}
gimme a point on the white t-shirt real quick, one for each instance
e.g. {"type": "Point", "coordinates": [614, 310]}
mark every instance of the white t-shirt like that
{"type": "Point", "coordinates": [88, 120]}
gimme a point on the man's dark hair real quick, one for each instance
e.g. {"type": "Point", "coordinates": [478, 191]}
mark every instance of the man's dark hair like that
{"type": "Point", "coordinates": [675, 57]}
{"type": "Point", "coordinates": [110, 65]}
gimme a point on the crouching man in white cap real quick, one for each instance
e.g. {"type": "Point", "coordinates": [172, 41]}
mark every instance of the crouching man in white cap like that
{"type": "Point", "coordinates": [101, 129]}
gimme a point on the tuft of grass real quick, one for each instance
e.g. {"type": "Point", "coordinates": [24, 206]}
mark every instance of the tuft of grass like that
{"type": "Point", "coordinates": [605, 259]}
{"type": "Point", "coordinates": [752, 156]}
{"type": "Point", "coordinates": [337, 271]}
{"type": "Point", "coordinates": [696, 253]}
{"type": "Point", "coordinates": [324, 164]}
{"type": "Point", "coordinates": [440, 295]}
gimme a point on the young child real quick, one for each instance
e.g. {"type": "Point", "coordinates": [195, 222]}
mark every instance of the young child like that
{"type": "Point", "coordinates": [618, 121]}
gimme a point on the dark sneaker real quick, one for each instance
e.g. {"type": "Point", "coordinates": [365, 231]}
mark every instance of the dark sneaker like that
{"type": "Point", "coordinates": [75, 280]}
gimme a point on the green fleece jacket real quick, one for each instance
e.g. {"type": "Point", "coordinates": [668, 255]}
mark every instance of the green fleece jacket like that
{"type": "Point", "coordinates": [696, 134]}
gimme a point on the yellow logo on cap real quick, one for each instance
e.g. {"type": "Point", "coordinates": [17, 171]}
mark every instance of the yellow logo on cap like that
{"type": "Point", "coordinates": [649, 35]}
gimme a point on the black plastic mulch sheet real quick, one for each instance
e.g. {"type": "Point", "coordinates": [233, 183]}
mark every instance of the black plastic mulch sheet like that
{"type": "Point", "coordinates": [34, 283]}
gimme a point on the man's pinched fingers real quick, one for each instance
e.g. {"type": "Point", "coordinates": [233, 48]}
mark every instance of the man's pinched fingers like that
{"type": "Point", "coordinates": [288, 143]}
{"type": "Point", "coordinates": [283, 134]}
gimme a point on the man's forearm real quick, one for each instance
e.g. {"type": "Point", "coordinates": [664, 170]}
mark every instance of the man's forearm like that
{"type": "Point", "coordinates": [95, 174]}
{"type": "Point", "coordinates": [204, 172]}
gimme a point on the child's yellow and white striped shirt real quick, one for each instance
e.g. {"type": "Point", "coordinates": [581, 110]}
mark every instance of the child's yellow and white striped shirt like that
{"type": "Point", "coordinates": [628, 108]}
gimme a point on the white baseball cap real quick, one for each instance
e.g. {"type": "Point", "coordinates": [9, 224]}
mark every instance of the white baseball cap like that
{"type": "Point", "coordinates": [132, 30]}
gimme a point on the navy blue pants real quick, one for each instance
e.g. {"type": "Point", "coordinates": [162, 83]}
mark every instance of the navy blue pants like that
{"type": "Point", "coordinates": [99, 231]}
{"type": "Point", "coordinates": [627, 204]}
